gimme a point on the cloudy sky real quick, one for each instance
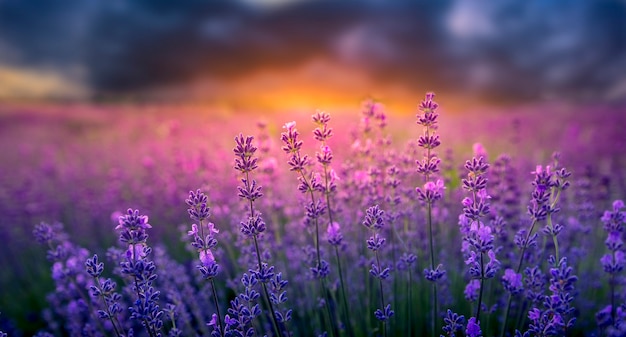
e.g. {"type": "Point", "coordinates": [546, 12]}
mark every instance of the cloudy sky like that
{"type": "Point", "coordinates": [312, 52]}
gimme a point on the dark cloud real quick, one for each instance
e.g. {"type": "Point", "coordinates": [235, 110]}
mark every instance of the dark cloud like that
{"type": "Point", "coordinates": [506, 49]}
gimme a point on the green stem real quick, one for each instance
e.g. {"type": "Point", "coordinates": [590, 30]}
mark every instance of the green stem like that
{"type": "Point", "coordinates": [319, 257]}
{"type": "Point", "coordinates": [521, 318]}
{"type": "Point", "coordinates": [382, 296]}
{"type": "Point", "coordinates": [333, 328]}
{"type": "Point", "coordinates": [554, 239]}
{"type": "Point", "coordinates": [432, 266]}
{"type": "Point", "coordinates": [410, 314]}
{"type": "Point", "coordinates": [343, 293]}
{"type": "Point", "coordinates": [556, 247]}
{"type": "Point", "coordinates": [482, 283]}
{"type": "Point", "coordinates": [217, 307]}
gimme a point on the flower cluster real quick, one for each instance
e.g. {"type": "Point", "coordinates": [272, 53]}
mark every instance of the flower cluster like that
{"type": "Point", "coordinates": [613, 264]}
{"type": "Point", "coordinates": [105, 289]}
{"type": "Point", "coordinates": [244, 308]}
{"type": "Point", "coordinates": [473, 328]}
{"type": "Point", "coordinates": [428, 141]}
{"type": "Point", "coordinates": [333, 234]}
{"type": "Point", "coordinates": [556, 317]}
{"type": "Point", "coordinates": [253, 227]}
{"type": "Point", "coordinates": [614, 221]}
{"type": "Point", "coordinates": [371, 112]}
{"type": "Point", "coordinates": [453, 323]}
{"type": "Point", "coordinates": [140, 270]}
{"type": "Point", "coordinates": [477, 234]}
{"type": "Point", "coordinates": [512, 281]}
{"type": "Point", "coordinates": [292, 147]}
{"type": "Point", "coordinates": [70, 278]}
{"type": "Point", "coordinates": [431, 192]}
{"type": "Point", "coordinates": [427, 118]}
{"type": "Point", "coordinates": [374, 221]}
{"type": "Point", "coordinates": [203, 238]}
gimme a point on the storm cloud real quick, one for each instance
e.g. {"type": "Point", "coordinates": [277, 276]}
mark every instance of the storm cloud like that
{"type": "Point", "coordinates": [505, 49]}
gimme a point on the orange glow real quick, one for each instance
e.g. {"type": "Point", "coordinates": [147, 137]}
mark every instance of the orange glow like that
{"type": "Point", "coordinates": [318, 84]}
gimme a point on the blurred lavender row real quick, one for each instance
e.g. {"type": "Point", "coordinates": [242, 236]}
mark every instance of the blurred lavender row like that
{"type": "Point", "coordinates": [330, 228]}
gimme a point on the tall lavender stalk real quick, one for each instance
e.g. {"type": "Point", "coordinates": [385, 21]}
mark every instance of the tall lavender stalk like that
{"type": "Point", "coordinates": [322, 133]}
{"type": "Point", "coordinates": [245, 162]}
{"type": "Point", "coordinates": [557, 184]}
{"type": "Point", "coordinates": [527, 238]}
{"type": "Point", "coordinates": [476, 233]}
{"type": "Point", "coordinates": [298, 162]}
{"type": "Point", "coordinates": [428, 166]}
{"type": "Point", "coordinates": [204, 241]}
{"type": "Point", "coordinates": [142, 271]}
{"type": "Point", "coordinates": [105, 290]}
{"type": "Point", "coordinates": [556, 317]}
{"type": "Point", "coordinates": [374, 221]}
{"type": "Point", "coordinates": [613, 263]}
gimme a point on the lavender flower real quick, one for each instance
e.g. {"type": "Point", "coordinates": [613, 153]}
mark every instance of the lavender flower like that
{"type": "Point", "coordinates": [534, 284]}
{"type": "Point", "coordinates": [613, 262]}
{"type": "Point", "coordinates": [204, 239]}
{"type": "Point", "coordinates": [315, 208]}
{"type": "Point", "coordinates": [473, 328]}
{"type": "Point", "coordinates": [453, 323]}
{"type": "Point", "coordinates": [612, 327]}
{"type": "Point", "coordinates": [245, 162]}
{"type": "Point", "coordinates": [432, 191]}
{"type": "Point", "coordinates": [244, 308]}
{"type": "Point", "coordinates": [141, 270]}
{"type": "Point", "coordinates": [292, 146]}
{"type": "Point", "coordinates": [548, 186]}
{"type": "Point", "coordinates": [69, 299]}
{"type": "Point", "coordinates": [105, 290]}
{"type": "Point", "coordinates": [471, 290]}
{"type": "Point", "coordinates": [478, 235]}
{"type": "Point", "coordinates": [512, 281]}
{"type": "Point", "coordinates": [322, 133]}
{"type": "Point", "coordinates": [428, 141]}
{"type": "Point", "coordinates": [427, 167]}
{"type": "Point", "coordinates": [334, 235]}
{"type": "Point", "coordinates": [374, 221]}
{"type": "Point", "coordinates": [557, 316]}
{"type": "Point", "coordinates": [557, 182]}
{"type": "Point", "coordinates": [269, 234]}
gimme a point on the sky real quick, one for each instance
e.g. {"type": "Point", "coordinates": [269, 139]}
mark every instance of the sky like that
{"type": "Point", "coordinates": [282, 53]}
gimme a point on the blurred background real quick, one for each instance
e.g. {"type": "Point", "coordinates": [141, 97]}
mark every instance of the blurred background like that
{"type": "Point", "coordinates": [110, 104]}
{"type": "Point", "coordinates": [283, 54]}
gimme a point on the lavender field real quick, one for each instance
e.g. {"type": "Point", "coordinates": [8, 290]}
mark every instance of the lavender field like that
{"type": "Point", "coordinates": [154, 220]}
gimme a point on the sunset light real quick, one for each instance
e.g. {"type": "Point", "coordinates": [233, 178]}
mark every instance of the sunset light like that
{"type": "Point", "coordinates": [312, 168]}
